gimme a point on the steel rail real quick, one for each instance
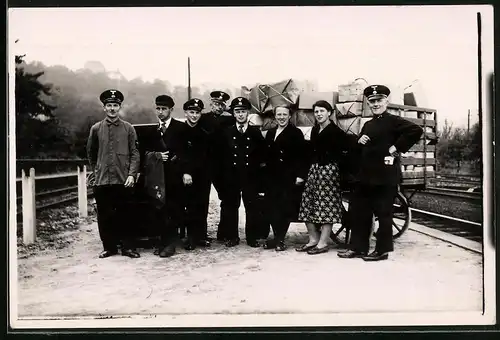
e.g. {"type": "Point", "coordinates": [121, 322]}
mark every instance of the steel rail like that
{"type": "Point", "coordinates": [446, 217]}
{"type": "Point", "coordinates": [475, 196]}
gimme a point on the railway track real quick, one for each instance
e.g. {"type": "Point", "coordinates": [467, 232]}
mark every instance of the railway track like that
{"type": "Point", "coordinates": [454, 193]}
{"type": "Point", "coordinates": [55, 190]}
{"type": "Point", "coordinates": [54, 198]}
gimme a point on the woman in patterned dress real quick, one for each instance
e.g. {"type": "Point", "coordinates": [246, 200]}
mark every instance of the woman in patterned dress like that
{"type": "Point", "coordinates": [320, 206]}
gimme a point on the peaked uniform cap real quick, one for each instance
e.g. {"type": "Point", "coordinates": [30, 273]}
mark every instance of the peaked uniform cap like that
{"type": "Point", "coordinates": [111, 96]}
{"type": "Point", "coordinates": [194, 104]}
{"type": "Point", "coordinates": [376, 91]}
{"type": "Point", "coordinates": [241, 103]}
{"type": "Point", "coordinates": [219, 96]}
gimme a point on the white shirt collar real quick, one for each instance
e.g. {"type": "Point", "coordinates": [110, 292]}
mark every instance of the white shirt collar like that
{"type": "Point", "coordinates": [167, 122]}
{"type": "Point", "coordinates": [245, 126]}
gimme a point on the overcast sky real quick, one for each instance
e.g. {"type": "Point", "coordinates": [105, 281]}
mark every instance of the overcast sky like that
{"type": "Point", "coordinates": [243, 46]}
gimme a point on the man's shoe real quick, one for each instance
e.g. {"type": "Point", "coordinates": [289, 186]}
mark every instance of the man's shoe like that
{"type": "Point", "coordinates": [131, 253]}
{"type": "Point", "coordinates": [108, 253]}
{"type": "Point", "coordinates": [203, 243]}
{"type": "Point", "coordinates": [376, 256]}
{"type": "Point", "coordinates": [253, 244]}
{"type": "Point", "coordinates": [189, 245]}
{"type": "Point", "coordinates": [270, 244]}
{"type": "Point", "coordinates": [156, 252]}
{"type": "Point", "coordinates": [350, 254]}
{"type": "Point", "coordinates": [167, 251]}
{"type": "Point", "coordinates": [280, 246]}
{"type": "Point", "coordinates": [232, 242]}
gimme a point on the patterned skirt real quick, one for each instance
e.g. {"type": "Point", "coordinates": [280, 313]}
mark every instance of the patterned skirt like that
{"type": "Point", "coordinates": [321, 199]}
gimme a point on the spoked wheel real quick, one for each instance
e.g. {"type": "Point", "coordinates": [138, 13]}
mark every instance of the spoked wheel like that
{"type": "Point", "coordinates": [401, 216]}
{"type": "Point", "coordinates": [401, 219]}
{"type": "Point", "coordinates": [342, 234]}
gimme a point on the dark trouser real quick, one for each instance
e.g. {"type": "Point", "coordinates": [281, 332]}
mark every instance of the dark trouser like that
{"type": "Point", "coordinates": [280, 224]}
{"type": "Point", "coordinates": [168, 221]}
{"type": "Point", "coordinates": [366, 201]}
{"type": "Point", "coordinates": [196, 203]}
{"type": "Point", "coordinates": [218, 183]}
{"type": "Point", "coordinates": [113, 216]}
{"type": "Point", "coordinates": [279, 210]}
{"type": "Point", "coordinates": [254, 226]}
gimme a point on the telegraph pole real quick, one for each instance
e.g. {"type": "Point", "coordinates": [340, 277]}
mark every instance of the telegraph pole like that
{"type": "Point", "coordinates": [468, 121]}
{"type": "Point", "coordinates": [189, 78]}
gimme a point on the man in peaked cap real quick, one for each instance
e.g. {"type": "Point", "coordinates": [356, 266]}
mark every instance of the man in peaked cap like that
{"type": "Point", "coordinates": [242, 152]}
{"type": "Point", "coordinates": [167, 146]}
{"type": "Point", "coordinates": [382, 139]}
{"type": "Point", "coordinates": [114, 158]}
{"type": "Point", "coordinates": [197, 178]}
{"type": "Point", "coordinates": [215, 122]}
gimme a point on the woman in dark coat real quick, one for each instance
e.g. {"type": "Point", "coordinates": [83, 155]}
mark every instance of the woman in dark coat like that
{"type": "Point", "coordinates": [320, 207]}
{"type": "Point", "coordinates": [286, 173]}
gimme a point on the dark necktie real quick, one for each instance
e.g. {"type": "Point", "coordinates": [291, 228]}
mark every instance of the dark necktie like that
{"type": "Point", "coordinates": [240, 128]}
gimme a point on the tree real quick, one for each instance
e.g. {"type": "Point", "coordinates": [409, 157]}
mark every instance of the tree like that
{"type": "Point", "coordinates": [38, 132]}
{"type": "Point", "coordinates": [457, 147]}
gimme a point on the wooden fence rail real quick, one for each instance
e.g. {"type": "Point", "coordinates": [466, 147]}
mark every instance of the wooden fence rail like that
{"type": "Point", "coordinates": [28, 180]}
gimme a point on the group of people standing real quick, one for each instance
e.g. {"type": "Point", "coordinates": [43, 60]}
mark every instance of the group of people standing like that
{"type": "Point", "coordinates": [280, 177]}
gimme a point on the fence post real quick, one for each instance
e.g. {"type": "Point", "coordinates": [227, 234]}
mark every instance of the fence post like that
{"type": "Point", "coordinates": [82, 191]}
{"type": "Point", "coordinates": [29, 207]}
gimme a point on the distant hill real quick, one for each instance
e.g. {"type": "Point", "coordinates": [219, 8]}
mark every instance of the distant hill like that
{"type": "Point", "coordinates": [94, 66]}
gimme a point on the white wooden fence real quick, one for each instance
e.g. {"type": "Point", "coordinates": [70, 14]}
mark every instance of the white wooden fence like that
{"type": "Point", "coordinates": [29, 202]}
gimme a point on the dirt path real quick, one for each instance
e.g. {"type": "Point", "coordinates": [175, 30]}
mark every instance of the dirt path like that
{"type": "Point", "coordinates": [423, 274]}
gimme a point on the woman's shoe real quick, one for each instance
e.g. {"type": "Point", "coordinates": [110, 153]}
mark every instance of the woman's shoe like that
{"type": "Point", "coordinates": [305, 248]}
{"type": "Point", "coordinates": [317, 250]}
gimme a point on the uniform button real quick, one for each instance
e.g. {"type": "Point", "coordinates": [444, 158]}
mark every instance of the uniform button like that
{"type": "Point", "coordinates": [281, 151]}
{"type": "Point", "coordinates": [235, 146]}
{"type": "Point", "coordinates": [234, 137]}
{"type": "Point", "coordinates": [235, 155]}
{"type": "Point", "coordinates": [281, 160]}
{"type": "Point", "coordinates": [234, 163]}
{"type": "Point", "coordinates": [246, 163]}
{"type": "Point", "coordinates": [247, 146]}
{"type": "Point", "coordinates": [248, 138]}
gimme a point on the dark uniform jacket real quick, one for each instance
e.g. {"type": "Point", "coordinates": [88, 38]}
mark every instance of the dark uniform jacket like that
{"type": "Point", "coordinates": [197, 150]}
{"type": "Point", "coordinates": [243, 158]}
{"type": "Point", "coordinates": [285, 162]}
{"type": "Point", "coordinates": [174, 141]}
{"type": "Point", "coordinates": [215, 125]}
{"type": "Point", "coordinates": [213, 122]}
{"type": "Point", "coordinates": [385, 131]}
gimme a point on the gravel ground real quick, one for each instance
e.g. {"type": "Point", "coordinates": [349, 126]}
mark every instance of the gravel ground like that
{"type": "Point", "coordinates": [53, 227]}
{"type": "Point", "coordinates": [62, 276]}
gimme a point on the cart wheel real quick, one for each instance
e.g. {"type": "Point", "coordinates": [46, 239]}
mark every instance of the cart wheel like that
{"type": "Point", "coordinates": [401, 216]}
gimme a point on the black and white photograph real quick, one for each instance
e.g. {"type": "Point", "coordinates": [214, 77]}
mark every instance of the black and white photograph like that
{"type": "Point", "coordinates": [250, 167]}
